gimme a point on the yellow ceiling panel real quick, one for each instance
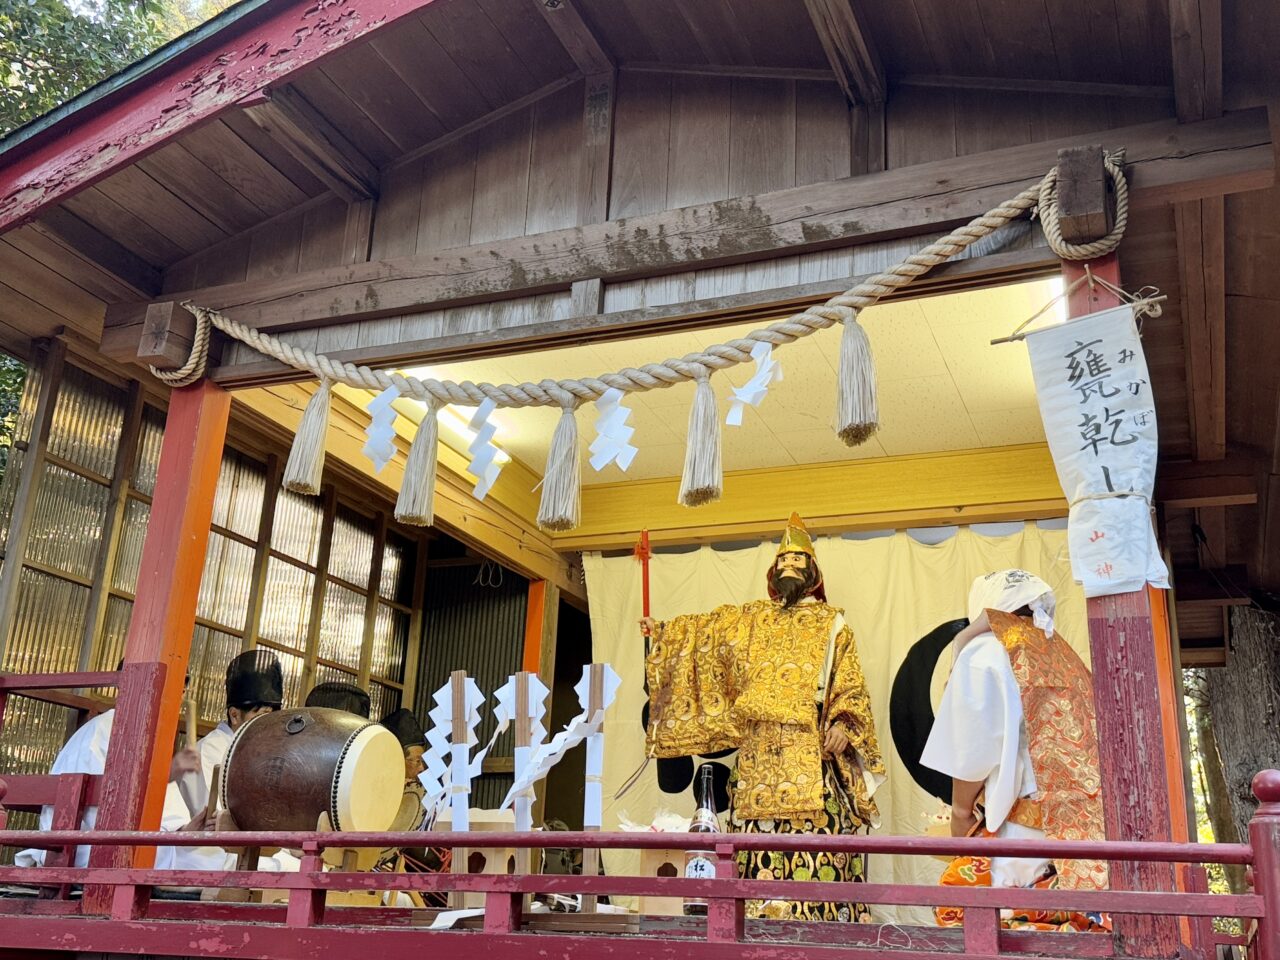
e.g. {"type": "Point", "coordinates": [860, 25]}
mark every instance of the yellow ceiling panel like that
{"type": "Point", "coordinates": [942, 387]}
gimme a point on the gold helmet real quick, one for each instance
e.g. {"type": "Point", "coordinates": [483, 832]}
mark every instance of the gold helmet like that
{"type": "Point", "coordinates": [796, 539]}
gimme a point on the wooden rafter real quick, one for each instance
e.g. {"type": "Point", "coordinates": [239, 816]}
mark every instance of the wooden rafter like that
{"type": "Point", "coordinates": [575, 36]}
{"type": "Point", "coordinates": [204, 81]}
{"type": "Point", "coordinates": [287, 117]}
{"type": "Point", "coordinates": [746, 71]}
{"type": "Point", "coordinates": [848, 48]}
{"type": "Point", "coordinates": [1196, 35]}
{"type": "Point", "coordinates": [90, 243]}
{"type": "Point", "coordinates": [1166, 162]}
{"type": "Point", "coordinates": [1070, 88]}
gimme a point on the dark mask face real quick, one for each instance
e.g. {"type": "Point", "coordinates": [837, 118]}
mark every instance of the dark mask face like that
{"type": "Point", "coordinates": [791, 589]}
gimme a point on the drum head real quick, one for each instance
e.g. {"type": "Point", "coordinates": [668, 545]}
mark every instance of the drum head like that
{"type": "Point", "coordinates": [370, 781]}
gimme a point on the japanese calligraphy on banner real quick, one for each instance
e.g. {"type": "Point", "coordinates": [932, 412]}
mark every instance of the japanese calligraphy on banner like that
{"type": "Point", "coordinates": [1100, 420]}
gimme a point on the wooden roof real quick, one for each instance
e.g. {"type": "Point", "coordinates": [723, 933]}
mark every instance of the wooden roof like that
{"type": "Point", "coordinates": [455, 113]}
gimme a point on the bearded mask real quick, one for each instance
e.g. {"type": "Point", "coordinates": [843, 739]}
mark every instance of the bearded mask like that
{"type": "Point", "coordinates": [793, 584]}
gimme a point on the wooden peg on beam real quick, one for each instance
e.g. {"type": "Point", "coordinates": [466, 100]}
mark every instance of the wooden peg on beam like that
{"type": "Point", "coordinates": [1086, 205]}
{"type": "Point", "coordinates": [168, 330]}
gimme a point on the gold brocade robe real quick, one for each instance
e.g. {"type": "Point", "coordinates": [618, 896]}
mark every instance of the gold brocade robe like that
{"type": "Point", "coordinates": [748, 677]}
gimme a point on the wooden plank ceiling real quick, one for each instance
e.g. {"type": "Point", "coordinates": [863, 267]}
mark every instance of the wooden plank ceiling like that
{"type": "Point", "coordinates": [378, 108]}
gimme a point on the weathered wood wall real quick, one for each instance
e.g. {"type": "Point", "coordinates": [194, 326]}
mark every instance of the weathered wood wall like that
{"type": "Point", "coordinates": [678, 140]}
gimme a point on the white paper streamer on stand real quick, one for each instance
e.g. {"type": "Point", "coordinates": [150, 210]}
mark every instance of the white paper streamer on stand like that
{"type": "Point", "coordinates": [577, 730]}
{"type": "Point", "coordinates": [380, 445]}
{"type": "Point", "coordinates": [593, 794]}
{"type": "Point", "coordinates": [613, 437]}
{"type": "Point", "coordinates": [484, 465]}
{"type": "Point", "coordinates": [536, 706]}
{"type": "Point", "coordinates": [450, 767]}
{"type": "Point", "coordinates": [768, 372]}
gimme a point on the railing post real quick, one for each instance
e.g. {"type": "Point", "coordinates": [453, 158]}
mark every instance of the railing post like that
{"type": "Point", "coordinates": [981, 931]}
{"type": "Point", "coordinates": [1264, 838]}
{"type": "Point", "coordinates": [502, 911]}
{"type": "Point", "coordinates": [725, 914]}
{"type": "Point", "coordinates": [306, 906]}
{"type": "Point", "coordinates": [129, 901]}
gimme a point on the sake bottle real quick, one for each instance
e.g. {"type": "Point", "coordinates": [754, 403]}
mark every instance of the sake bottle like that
{"type": "Point", "coordinates": [701, 864]}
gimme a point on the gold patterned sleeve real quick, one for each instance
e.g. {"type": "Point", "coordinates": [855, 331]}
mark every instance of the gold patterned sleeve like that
{"type": "Point", "coordinates": [689, 675]}
{"type": "Point", "coordinates": [850, 706]}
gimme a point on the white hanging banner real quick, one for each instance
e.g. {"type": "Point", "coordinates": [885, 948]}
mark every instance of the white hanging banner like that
{"type": "Point", "coordinates": [1100, 420]}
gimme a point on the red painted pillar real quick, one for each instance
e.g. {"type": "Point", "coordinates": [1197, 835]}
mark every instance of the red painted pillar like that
{"type": "Point", "coordinates": [1264, 837]}
{"type": "Point", "coordinates": [1126, 690]}
{"type": "Point", "coordinates": [159, 640]}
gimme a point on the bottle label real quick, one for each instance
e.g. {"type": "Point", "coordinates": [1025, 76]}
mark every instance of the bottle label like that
{"type": "Point", "coordinates": [700, 867]}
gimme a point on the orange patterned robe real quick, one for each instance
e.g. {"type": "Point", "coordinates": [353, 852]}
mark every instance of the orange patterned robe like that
{"type": "Point", "coordinates": [1058, 715]}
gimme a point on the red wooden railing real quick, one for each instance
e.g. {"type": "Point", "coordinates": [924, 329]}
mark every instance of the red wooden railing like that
{"type": "Point", "coordinates": [306, 927]}
{"type": "Point", "coordinates": [134, 923]}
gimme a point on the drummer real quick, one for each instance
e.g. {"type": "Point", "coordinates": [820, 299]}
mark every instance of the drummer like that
{"type": "Point", "coordinates": [86, 752]}
{"type": "Point", "coordinates": [254, 685]}
{"type": "Point", "coordinates": [408, 731]}
{"type": "Point", "coordinates": [337, 695]}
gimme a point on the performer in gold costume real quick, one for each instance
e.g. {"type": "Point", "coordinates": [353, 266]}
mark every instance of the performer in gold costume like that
{"type": "Point", "coordinates": [779, 680]}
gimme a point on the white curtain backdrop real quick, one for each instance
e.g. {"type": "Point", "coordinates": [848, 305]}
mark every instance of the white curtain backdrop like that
{"type": "Point", "coordinates": [893, 589]}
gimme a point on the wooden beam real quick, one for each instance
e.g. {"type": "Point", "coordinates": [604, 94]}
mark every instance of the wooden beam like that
{"type": "Point", "coordinates": [1166, 162]}
{"type": "Point", "coordinates": [973, 486]}
{"type": "Point", "coordinates": [322, 148]}
{"type": "Point", "coordinates": [371, 601]}
{"type": "Point", "coordinates": [262, 552]}
{"type": "Point", "coordinates": [599, 99]}
{"type": "Point", "coordinates": [1069, 88]}
{"type": "Point", "coordinates": [845, 41]}
{"type": "Point", "coordinates": [96, 247]}
{"type": "Point", "coordinates": [413, 654]}
{"type": "Point", "coordinates": [49, 363]}
{"type": "Point", "coordinates": [727, 70]}
{"type": "Point", "coordinates": [194, 85]}
{"type": "Point", "coordinates": [589, 325]}
{"type": "Point", "coordinates": [1195, 28]}
{"type": "Point", "coordinates": [1085, 207]}
{"type": "Point", "coordinates": [1224, 587]}
{"type": "Point", "coordinates": [467, 129]}
{"type": "Point", "coordinates": [578, 40]}
{"type": "Point", "coordinates": [1201, 233]}
{"type": "Point", "coordinates": [311, 649]}
{"type": "Point", "coordinates": [117, 498]}
{"type": "Point", "coordinates": [1221, 490]}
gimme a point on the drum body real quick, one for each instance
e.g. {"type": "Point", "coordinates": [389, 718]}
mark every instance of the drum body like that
{"type": "Point", "coordinates": [285, 769]}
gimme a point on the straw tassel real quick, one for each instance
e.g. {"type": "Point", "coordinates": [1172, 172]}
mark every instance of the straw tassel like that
{"type": "Point", "coordinates": [703, 479]}
{"type": "Point", "coordinates": [561, 504]}
{"type": "Point", "coordinates": [305, 467]}
{"type": "Point", "coordinates": [416, 503]}
{"type": "Point", "coordinates": [857, 413]}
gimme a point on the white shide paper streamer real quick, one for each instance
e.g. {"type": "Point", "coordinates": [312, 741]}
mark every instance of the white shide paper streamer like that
{"type": "Point", "coordinates": [505, 697]}
{"type": "Point", "coordinates": [484, 465]}
{"type": "Point", "coordinates": [380, 445]}
{"type": "Point", "coordinates": [580, 728]}
{"type": "Point", "coordinates": [613, 436]}
{"type": "Point", "coordinates": [768, 372]}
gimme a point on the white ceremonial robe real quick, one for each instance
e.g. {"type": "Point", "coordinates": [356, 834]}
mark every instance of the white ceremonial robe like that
{"type": "Point", "coordinates": [979, 735]}
{"type": "Point", "coordinates": [85, 752]}
{"type": "Point", "coordinates": [212, 748]}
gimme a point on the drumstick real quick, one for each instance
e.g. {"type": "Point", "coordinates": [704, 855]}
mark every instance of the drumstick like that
{"type": "Point", "coordinates": [215, 781]}
{"type": "Point", "coordinates": [192, 733]}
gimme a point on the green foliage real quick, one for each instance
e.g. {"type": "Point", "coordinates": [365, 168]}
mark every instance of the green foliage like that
{"type": "Point", "coordinates": [52, 50]}
{"type": "Point", "coordinates": [13, 373]}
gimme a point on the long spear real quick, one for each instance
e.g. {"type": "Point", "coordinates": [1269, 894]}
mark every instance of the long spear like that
{"type": "Point", "coordinates": [643, 553]}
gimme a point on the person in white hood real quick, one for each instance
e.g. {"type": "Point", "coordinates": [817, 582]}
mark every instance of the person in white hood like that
{"type": "Point", "coordinates": [1015, 732]}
